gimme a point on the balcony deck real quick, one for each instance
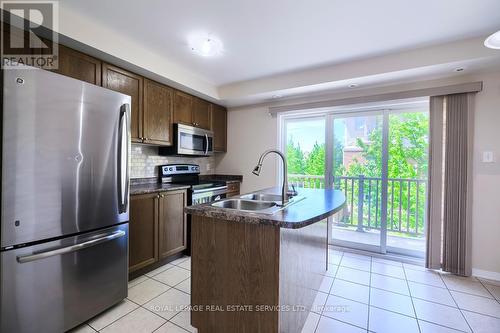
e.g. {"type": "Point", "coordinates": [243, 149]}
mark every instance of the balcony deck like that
{"type": "Point", "coordinates": [360, 221]}
{"type": "Point", "coordinates": [372, 237]}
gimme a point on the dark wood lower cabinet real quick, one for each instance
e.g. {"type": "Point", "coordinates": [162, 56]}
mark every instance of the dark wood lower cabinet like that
{"type": "Point", "coordinates": [172, 223]}
{"type": "Point", "coordinates": [157, 228]}
{"type": "Point", "coordinates": [143, 231]}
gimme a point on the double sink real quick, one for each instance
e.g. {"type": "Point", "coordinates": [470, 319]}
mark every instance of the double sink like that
{"type": "Point", "coordinates": [260, 203]}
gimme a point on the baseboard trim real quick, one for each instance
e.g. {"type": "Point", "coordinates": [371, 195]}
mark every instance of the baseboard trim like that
{"type": "Point", "coordinates": [486, 274]}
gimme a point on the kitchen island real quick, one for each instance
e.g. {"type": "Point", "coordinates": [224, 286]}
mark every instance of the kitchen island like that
{"type": "Point", "coordinates": [254, 272]}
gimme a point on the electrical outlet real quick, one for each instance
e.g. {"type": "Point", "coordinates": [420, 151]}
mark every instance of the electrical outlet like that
{"type": "Point", "coordinates": [487, 157]}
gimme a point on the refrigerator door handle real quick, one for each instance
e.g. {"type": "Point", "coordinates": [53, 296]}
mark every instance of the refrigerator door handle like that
{"type": "Point", "coordinates": [123, 158]}
{"type": "Point", "coordinates": [72, 248]}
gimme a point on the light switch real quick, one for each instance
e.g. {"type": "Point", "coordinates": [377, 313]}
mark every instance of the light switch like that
{"type": "Point", "coordinates": [487, 157]}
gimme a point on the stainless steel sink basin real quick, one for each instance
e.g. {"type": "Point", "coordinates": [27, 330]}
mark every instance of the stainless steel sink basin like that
{"type": "Point", "coordinates": [244, 205]}
{"type": "Point", "coordinates": [262, 197]}
{"type": "Point", "coordinates": [258, 203]}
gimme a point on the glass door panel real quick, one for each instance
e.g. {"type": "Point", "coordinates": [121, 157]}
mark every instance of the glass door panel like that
{"type": "Point", "coordinates": [357, 171]}
{"type": "Point", "coordinates": [305, 151]}
{"type": "Point", "coordinates": [408, 143]}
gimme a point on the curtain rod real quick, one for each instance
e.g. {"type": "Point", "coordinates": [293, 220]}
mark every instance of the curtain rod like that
{"type": "Point", "coordinates": [434, 91]}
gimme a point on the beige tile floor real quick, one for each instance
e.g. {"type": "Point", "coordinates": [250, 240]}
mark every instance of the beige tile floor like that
{"type": "Point", "coordinates": [359, 294]}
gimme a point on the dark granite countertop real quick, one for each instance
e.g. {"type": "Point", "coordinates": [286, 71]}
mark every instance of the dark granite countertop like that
{"type": "Point", "coordinates": [224, 178]}
{"type": "Point", "coordinates": [317, 205]}
{"type": "Point", "coordinates": [151, 185]}
{"type": "Point", "coordinates": [155, 187]}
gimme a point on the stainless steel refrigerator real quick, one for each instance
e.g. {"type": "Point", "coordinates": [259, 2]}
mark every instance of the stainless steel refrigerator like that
{"type": "Point", "coordinates": [64, 230]}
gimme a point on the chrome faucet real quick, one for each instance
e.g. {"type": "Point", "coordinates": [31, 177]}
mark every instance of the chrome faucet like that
{"type": "Point", "coordinates": [284, 190]}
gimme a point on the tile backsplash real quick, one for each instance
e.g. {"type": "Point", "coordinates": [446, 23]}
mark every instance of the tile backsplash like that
{"type": "Point", "coordinates": [145, 160]}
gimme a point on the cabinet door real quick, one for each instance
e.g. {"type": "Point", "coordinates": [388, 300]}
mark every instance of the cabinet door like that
{"type": "Point", "coordinates": [157, 117]}
{"type": "Point", "coordinates": [79, 66]}
{"type": "Point", "coordinates": [143, 231]}
{"type": "Point", "coordinates": [127, 83]}
{"type": "Point", "coordinates": [219, 127]}
{"type": "Point", "coordinates": [183, 108]}
{"type": "Point", "coordinates": [172, 223]}
{"type": "Point", "coordinates": [201, 113]}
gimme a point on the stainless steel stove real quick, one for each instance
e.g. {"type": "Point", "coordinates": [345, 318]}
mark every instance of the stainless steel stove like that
{"type": "Point", "coordinates": [201, 191]}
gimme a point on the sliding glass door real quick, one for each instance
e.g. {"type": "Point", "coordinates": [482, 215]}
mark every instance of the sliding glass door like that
{"type": "Point", "coordinates": [408, 161]}
{"type": "Point", "coordinates": [357, 171]}
{"type": "Point", "coordinates": [379, 159]}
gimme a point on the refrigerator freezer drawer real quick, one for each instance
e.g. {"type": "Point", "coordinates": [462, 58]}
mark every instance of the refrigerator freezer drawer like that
{"type": "Point", "coordinates": [55, 286]}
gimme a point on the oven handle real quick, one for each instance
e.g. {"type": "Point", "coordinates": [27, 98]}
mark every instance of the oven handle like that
{"type": "Point", "coordinates": [213, 189]}
{"type": "Point", "coordinates": [71, 248]}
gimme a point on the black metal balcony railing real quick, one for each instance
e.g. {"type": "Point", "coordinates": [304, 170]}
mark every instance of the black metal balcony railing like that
{"type": "Point", "coordinates": [406, 201]}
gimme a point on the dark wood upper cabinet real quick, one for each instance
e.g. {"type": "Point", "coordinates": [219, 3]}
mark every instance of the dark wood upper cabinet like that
{"type": "Point", "coordinates": [79, 66]}
{"type": "Point", "coordinates": [143, 231]}
{"type": "Point", "coordinates": [183, 108]}
{"type": "Point", "coordinates": [172, 223]}
{"type": "Point", "coordinates": [128, 83]}
{"type": "Point", "coordinates": [191, 110]}
{"type": "Point", "coordinates": [157, 115]}
{"type": "Point", "coordinates": [201, 113]}
{"type": "Point", "coordinates": [219, 127]}
{"type": "Point", "coordinates": [154, 107]}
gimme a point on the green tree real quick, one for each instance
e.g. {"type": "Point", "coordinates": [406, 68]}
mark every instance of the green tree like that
{"type": "Point", "coordinates": [295, 158]}
{"type": "Point", "coordinates": [407, 159]}
{"type": "Point", "coordinates": [407, 149]}
{"type": "Point", "coordinates": [315, 162]}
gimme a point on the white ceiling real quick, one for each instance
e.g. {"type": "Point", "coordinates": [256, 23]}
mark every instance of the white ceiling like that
{"type": "Point", "coordinates": [263, 38]}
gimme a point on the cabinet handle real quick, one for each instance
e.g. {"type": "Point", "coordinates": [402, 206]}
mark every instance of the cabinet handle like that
{"type": "Point", "coordinates": [162, 195]}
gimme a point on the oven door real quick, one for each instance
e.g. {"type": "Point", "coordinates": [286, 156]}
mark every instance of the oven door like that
{"type": "Point", "coordinates": [194, 141]}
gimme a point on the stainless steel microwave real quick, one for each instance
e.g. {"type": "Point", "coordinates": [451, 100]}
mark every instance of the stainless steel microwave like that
{"type": "Point", "coordinates": [189, 140]}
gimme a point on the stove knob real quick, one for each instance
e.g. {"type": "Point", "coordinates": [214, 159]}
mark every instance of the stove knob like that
{"type": "Point", "coordinates": [170, 169]}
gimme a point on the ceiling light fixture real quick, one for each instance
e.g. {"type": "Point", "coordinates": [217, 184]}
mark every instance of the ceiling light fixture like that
{"type": "Point", "coordinates": [205, 45]}
{"type": "Point", "coordinates": [493, 41]}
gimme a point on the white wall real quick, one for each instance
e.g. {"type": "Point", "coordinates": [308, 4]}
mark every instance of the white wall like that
{"type": "Point", "coordinates": [251, 130]}
{"type": "Point", "coordinates": [486, 195]}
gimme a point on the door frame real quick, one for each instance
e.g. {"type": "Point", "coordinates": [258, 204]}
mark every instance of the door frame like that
{"type": "Point", "coordinates": [384, 109]}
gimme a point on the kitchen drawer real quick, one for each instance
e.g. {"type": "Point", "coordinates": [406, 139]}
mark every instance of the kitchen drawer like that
{"type": "Point", "coordinates": [57, 285]}
{"type": "Point", "coordinates": [232, 194]}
